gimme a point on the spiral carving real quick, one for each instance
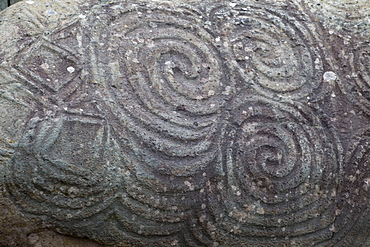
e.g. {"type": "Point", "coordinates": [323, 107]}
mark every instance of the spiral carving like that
{"type": "Point", "coordinates": [169, 88]}
{"type": "Point", "coordinates": [278, 162]}
{"type": "Point", "coordinates": [202, 124]}
{"type": "Point", "coordinates": [272, 54]}
{"type": "Point", "coordinates": [167, 91]}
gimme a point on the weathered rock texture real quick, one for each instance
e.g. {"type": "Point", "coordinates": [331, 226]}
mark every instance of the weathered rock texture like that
{"type": "Point", "coordinates": [178, 123]}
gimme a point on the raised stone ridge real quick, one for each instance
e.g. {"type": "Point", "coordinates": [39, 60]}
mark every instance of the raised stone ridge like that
{"type": "Point", "coordinates": [188, 123]}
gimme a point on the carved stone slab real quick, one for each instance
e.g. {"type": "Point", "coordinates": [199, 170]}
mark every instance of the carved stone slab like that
{"type": "Point", "coordinates": [189, 123]}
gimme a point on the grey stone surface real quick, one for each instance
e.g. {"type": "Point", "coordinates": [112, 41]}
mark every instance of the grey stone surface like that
{"type": "Point", "coordinates": [185, 123]}
{"type": "Point", "coordinates": [3, 4]}
{"type": "Point", "coordinates": [14, 2]}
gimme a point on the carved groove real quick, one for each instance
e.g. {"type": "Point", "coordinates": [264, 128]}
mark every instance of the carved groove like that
{"type": "Point", "coordinates": [278, 161]}
{"type": "Point", "coordinates": [164, 124]}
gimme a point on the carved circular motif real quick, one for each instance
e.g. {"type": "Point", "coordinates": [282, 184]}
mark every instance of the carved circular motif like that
{"type": "Point", "coordinates": [278, 162]}
{"type": "Point", "coordinates": [168, 124]}
{"type": "Point", "coordinates": [273, 53]}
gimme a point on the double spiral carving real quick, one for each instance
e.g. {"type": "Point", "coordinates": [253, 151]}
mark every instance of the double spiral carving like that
{"type": "Point", "coordinates": [194, 126]}
{"type": "Point", "coordinates": [167, 89]}
{"type": "Point", "coordinates": [278, 161]}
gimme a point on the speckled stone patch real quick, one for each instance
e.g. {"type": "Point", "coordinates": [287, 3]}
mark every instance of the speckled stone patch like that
{"type": "Point", "coordinates": [189, 123]}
